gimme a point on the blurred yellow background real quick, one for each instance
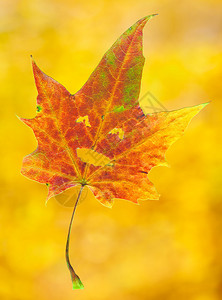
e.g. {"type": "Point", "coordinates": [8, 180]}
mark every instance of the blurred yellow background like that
{"type": "Point", "coordinates": [169, 249]}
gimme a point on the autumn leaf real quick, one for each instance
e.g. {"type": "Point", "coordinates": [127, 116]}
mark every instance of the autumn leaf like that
{"type": "Point", "coordinates": [99, 137]}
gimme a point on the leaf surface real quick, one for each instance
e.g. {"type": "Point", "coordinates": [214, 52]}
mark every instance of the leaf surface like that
{"type": "Point", "coordinates": [104, 117]}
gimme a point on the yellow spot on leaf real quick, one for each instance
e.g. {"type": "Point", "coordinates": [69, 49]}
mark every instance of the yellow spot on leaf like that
{"type": "Point", "coordinates": [119, 131]}
{"type": "Point", "coordinates": [92, 157]}
{"type": "Point", "coordinates": [82, 119]}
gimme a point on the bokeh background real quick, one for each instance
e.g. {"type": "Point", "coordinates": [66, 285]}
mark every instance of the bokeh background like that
{"type": "Point", "coordinates": [169, 249]}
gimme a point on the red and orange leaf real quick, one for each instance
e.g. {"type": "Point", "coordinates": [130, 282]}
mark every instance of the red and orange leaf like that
{"type": "Point", "coordinates": [100, 136]}
{"type": "Point", "coordinates": [66, 122]}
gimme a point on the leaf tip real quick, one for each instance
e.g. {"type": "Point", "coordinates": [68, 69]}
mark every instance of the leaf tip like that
{"type": "Point", "coordinates": [205, 104]}
{"type": "Point", "coordinates": [151, 16]}
{"type": "Point", "coordinates": [18, 117]}
{"type": "Point", "coordinates": [199, 107]}
{"type": "Point", "coordinates": [147, 18]}
{"type": "Point", "coordinates": [34, 66]}
{"type": "Point", "coordinates": [142, 22]}
{"type": "Point", "coordinates": [32, 59]}
{"type": "Point", "coordinates": [25, 121]}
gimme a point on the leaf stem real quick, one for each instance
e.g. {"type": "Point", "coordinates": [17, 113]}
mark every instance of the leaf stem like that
{"type": "Point", "coordinates": [76, 282]}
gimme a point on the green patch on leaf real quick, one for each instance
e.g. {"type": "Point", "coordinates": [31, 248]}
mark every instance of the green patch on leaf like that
{"type": "Point", "coordinates": [38, 108]}
{"type": "Point", "coordinates": [118, 109]}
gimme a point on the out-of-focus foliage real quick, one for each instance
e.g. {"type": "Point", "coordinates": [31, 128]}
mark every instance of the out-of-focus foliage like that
{"type": "Point", "coordinates": [170, 249]}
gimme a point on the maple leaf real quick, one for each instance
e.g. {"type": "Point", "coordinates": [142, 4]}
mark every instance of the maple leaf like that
{"type": "Point", "coordinates": [100, 136]}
